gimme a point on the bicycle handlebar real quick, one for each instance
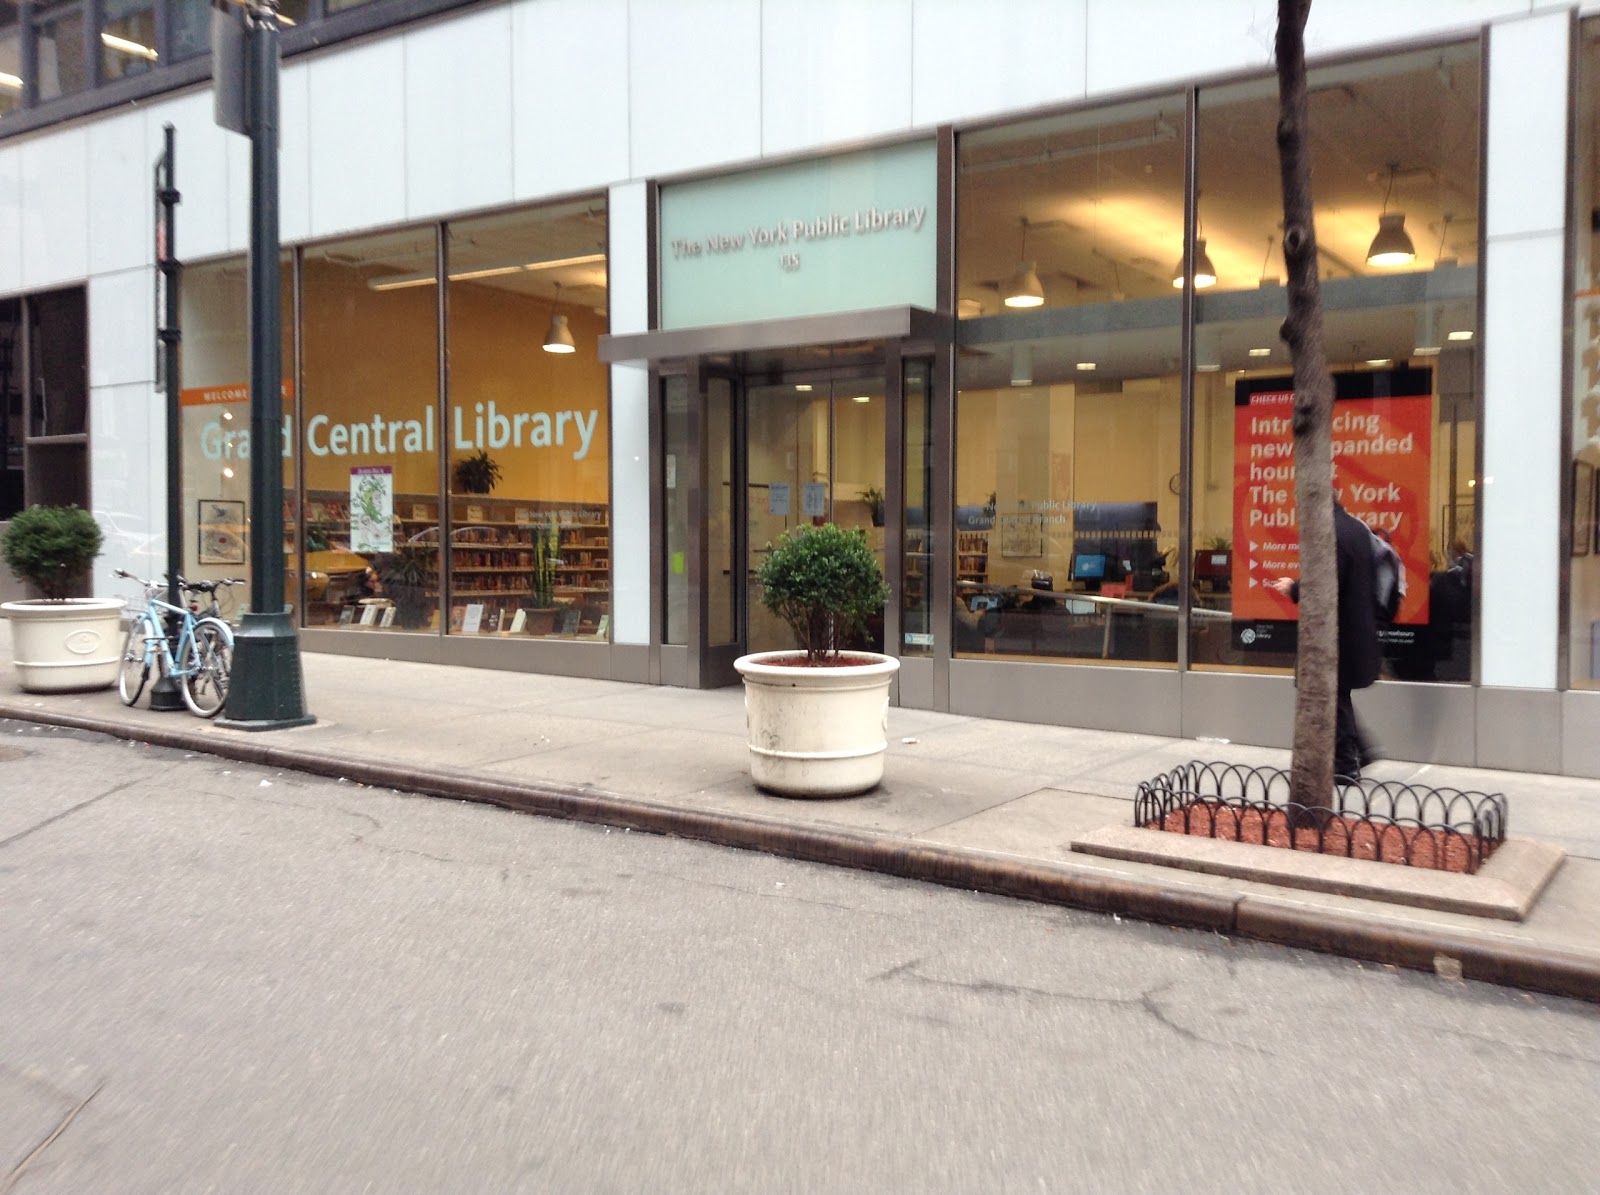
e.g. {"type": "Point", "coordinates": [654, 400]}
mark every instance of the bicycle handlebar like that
{"type": "Point", "coordinates": [190, 586]}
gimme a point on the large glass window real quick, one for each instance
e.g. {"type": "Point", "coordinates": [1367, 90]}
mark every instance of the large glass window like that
{"type": "Point", "coordinates": [127, 38]}
{"type": "Point", "coordinates": [528, 431]}
{"type": "Point", "coordinates": [214, 406]}
{"type": "Point", "coordinates": [1395, 167]}
{"type": "Point", "coordinates": [59, 51]}
{"type": "Point", "coordinates": [10, 57]}
{"type": "Point", "coordinates": [371, 433]}
{"type": "Point", "coordinates": [1068, 405]}
{"type": "Point", "coordinates": [13, 389]}
{"type": "Point", "coordinates": [1584, 549]}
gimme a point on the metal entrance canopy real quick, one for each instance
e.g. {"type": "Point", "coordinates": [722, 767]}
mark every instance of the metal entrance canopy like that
{"type": "Point", "coordinates": [879, 323]}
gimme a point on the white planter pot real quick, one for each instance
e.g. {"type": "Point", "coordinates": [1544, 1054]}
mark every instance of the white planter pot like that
{"type": "Point", "coordinates": [74, 643]}
{"type": "Point", "coordinates": [816, 732]}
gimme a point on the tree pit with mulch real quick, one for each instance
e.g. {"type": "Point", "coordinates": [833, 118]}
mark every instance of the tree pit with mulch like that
{"type": "Point", "coordinates": [1354, 838]}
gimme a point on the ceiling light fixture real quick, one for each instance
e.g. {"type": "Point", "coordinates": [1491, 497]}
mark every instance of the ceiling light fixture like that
{"type": "Point", "coordinates": [10, 81]}
{"type": "Point", "coordinates": [803, 387]}
{"type": "Point", "coordinates": [1391, 247]}
{"type": "Point", "coordinates": [1024, 288]}
{"type": "Point", "coordinates": [862, 398]}
{"type": "Point", "coordinates": [1261, 352]}
{"type": "Point", "coordinates": [558, 339]}
{"type": "Point", "coordinates": [557, 262]}
{"type": "Point", "coordinates": [1085, 366]}
{"type": "Point", "coordinates": [1463, 334]}
{"type": "Point", "coordinates": [131, 48]}
{"type": "Point", "coordinates": [1205, 274]}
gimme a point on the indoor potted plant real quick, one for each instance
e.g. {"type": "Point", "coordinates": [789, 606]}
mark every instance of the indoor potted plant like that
{"type": "Point", "coordinates": [477, 474]}
{"type": "Point", "coordinates": [59, 642]}
{"type": "Point", "coordinates": [818, 716]}
{"type": "Point", "coordinates": [542, 608]}
{"type": "Point", "coordinates": [874, 498]}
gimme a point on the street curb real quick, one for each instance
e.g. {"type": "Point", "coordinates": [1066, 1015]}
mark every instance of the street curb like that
{"type": "Point", "coordinates": [1561, 973]}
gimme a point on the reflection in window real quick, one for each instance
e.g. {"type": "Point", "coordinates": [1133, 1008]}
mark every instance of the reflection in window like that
{"type": "Point", "coordinates": [1068, 413]}
{"type": "Point", "coordinates": [12, 391]}
{"type": "Point", "coordinates": [127, 38]}
{"type": "Point", "coordinates": [62, 69]}
{"type": "Point", "coordinates": [528, 432]}
{"type": "Point", "coordinates": [10, 57]}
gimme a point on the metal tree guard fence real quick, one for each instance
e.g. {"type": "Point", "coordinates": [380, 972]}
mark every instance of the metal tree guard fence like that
{"type": "Point", "coordinates": [1388, 821]}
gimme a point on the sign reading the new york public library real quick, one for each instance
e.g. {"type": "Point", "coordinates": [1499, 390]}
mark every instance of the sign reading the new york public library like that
{"type": "Point", "coordinates": [846, 233]}
{"type": "Point", "coordinates": [1382, 462]}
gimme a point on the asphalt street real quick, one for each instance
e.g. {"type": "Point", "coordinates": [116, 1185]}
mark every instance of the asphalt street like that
{"type": "Point", "coordinates": [217, 977]}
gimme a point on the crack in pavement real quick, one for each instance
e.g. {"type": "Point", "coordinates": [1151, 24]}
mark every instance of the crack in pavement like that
{"type": "Point", "coordinates": [1145, 1001]}
{"type": "Point", "coordinates": [10, 1180]}
{"type": "Point", "coordinates": [1546, 1051]}
{"type": "Point", "coordinates": [110, 792]}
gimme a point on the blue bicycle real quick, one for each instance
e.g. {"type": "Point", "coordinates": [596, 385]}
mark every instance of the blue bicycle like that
{"type": "Point", "coordinates": [199, 656]}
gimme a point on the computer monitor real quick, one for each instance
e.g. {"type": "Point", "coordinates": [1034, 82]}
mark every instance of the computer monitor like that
{"type": "Point", "coordinates": [1088, 567]}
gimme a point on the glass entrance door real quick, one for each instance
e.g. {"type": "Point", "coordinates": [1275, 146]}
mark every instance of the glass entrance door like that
{"type": "Point", "coordinates": [815, 453]}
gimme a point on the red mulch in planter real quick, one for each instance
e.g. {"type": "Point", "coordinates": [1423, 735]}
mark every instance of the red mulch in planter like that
{"type": "Point", "coordinates": [1429, 849]}
{"type": "Point", "coordinates": [843, 660]}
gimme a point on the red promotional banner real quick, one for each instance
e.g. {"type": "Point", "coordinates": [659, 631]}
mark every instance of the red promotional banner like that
{"type": "Point", "coordinates": [1382, 454]}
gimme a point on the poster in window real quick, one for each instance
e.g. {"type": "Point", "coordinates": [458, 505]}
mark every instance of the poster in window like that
{"type": "Point", "coordinates": [1021, 536]}
{"type": "Point", "coordinates": [372, 508]}
{"type": "Point", "coordinates": [1583, 508]}
{"type": "Point", "coordinates": [222, 531]}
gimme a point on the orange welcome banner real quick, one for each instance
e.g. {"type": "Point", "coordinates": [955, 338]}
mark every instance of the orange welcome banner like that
{"type": "Point", "coordinates": [1382, 455]}
{"type": "Point", "coordinates": [236, 392]}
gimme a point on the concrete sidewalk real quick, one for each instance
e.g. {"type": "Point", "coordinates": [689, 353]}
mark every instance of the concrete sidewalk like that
{"type": "Point", "coordinates": [967, 802]}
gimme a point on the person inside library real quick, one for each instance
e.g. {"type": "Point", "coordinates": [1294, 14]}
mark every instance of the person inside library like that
{"type": "Point", "coordinates": [1360, 658]}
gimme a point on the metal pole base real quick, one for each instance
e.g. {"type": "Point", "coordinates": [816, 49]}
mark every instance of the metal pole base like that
{"type": "Point", "coordinates": [166, 696]}
{"type": "Point", "coordinates": [264, 692]}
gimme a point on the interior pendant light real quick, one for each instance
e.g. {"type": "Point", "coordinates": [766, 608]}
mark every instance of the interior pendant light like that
{"type": "Point", "coordinates": [1205, 274]}
{"type": "Point", "coordinates": [558, 339]}
{"type": "Point", "coordinates": [1024, 288]}
{"type": "Point", "coordinates": [1391, 247]}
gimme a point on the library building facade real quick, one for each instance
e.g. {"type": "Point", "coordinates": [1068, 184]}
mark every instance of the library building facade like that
{"type": "Point", "coordinates": [573, 331]}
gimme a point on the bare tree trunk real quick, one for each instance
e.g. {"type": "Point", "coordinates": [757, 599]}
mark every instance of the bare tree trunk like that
{"type": "Point", "coordinates": [1317, 668]}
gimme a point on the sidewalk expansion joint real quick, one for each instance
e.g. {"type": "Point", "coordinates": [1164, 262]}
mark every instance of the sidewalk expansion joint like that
{"type": "Point", "coordinates": [1536, 968]}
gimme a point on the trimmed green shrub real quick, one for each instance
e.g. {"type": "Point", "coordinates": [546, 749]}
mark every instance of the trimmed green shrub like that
{"type": "Point", "coordinates": [52, 547]}
{"type": "Point", "coordinates": [824, 582]}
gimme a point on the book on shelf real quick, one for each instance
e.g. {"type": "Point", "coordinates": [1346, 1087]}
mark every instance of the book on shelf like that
{"type": "Point", "coordinates": [369, 614]}
{"type": "Point", "coordinates": [491, 619]}
{"type": "Point", "coordinates": [388, 617]}
{"type": "Point", "coordinates": [347, 616]}
{"type": "Point", "coordinates": [458, 614]}
{"type": "Point", "coordinates": [472, 619]}
{"type": "Point", "coordinates": [519, 621]}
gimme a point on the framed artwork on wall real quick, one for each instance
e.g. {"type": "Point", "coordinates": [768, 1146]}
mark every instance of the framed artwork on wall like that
{"type": "Point", "coordinates": [222, 532]}
{"type": "Point", "coordinates": [1583, 508]}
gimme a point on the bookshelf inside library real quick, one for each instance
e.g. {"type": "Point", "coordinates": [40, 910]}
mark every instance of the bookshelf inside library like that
{"type": "Point", "coordinates": [498, 583]}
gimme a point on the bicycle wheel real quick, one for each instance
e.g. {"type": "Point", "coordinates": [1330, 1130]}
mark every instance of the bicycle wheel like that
{"type": "Point", "coordinates": [207, 661]}
{"type": "Point", "coordinates": [138, 652]}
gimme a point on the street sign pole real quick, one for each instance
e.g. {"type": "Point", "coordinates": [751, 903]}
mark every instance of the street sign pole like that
{"type": "Point", "coordinates": [165, 695]}
{"type": "Point", "coordinates": [266, 691]}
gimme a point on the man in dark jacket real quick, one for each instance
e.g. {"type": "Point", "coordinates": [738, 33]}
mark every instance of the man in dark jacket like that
{"type": "Point", "coordinates": [1360, 658]}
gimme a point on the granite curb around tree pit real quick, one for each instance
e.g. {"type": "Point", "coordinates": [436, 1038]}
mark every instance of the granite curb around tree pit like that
{"type": "Point", "coordinates": [1563, 973]}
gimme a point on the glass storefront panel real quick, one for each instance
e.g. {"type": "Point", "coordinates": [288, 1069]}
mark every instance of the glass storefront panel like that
{"type": "Point", "coordinates": [1583, 663]}
{"type": "Point", "coordinates": [918, 532]}
{"type": "Point", "coordinates": [370, 432]}
{"type": "Point", "coordinates": [1395, 145]}
{"type": "Point", "coordinates": [214, 413]}
{"type": "Point", "coordinates": [528, 426]}
{"type": "Point", "coordinates": [676, 455]}
{"type": "Point", "coordinates": [1068, 405]}
{"type": "Point", "coordinates": [13, 391]}
{"type": "Point", "coordinates": [721, 598]}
